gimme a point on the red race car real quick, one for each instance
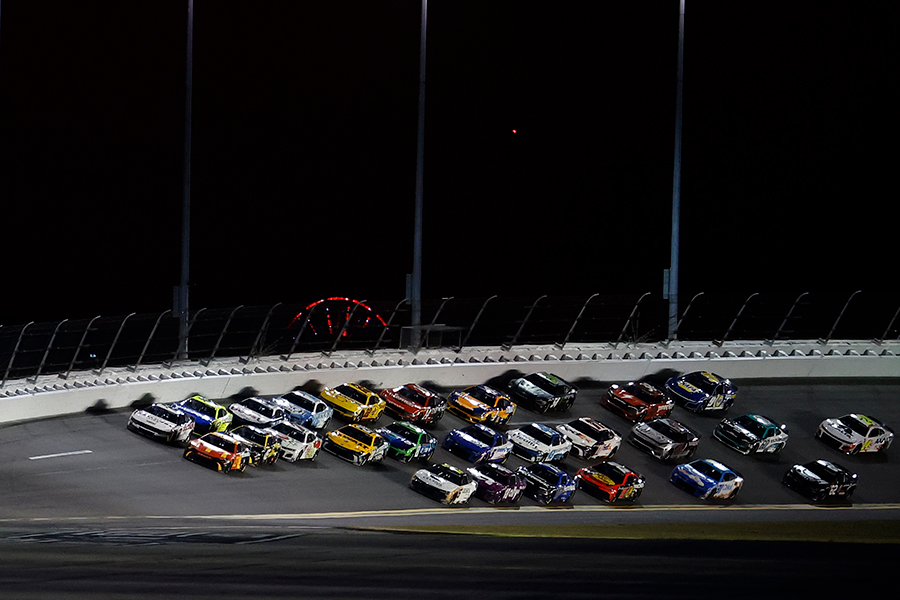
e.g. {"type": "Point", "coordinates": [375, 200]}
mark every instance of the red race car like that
{"type": "Point", "coordinates": [611, 481]}
{"type": "Point", "coordinates": [414, 403]}
{"type": "Point", "coordinates": [637, 401]}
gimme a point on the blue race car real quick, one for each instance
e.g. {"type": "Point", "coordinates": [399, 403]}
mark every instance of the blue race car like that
{"type": "Point", "coordinates": [305, 409]}
{"type": "Point", "coordinates": [208, 416]}
{"type": "Point", "coordinates": [702, 391]}
{"type": "Point", "coordinates": [546, 483]}
{"type": "Point", "coordinates": [408, 441]}
{"type": "Point", "coordinates": [478, 443]}
{"type": "Point", "coordinates": [707, 478]}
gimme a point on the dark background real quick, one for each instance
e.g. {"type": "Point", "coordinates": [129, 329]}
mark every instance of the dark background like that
{"type": "Point", "coordinates": [304, 148]}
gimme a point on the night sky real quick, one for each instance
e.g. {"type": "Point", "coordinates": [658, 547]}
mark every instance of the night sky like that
{"type": "Point", "coordinates": [304, 149]}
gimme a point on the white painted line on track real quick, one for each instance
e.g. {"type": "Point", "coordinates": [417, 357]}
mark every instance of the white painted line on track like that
{"type": "Point", "coordinates": [60, 454]}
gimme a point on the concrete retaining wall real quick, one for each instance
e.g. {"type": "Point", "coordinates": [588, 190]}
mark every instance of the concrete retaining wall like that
{"type": "Point", "coordinates": [118, 388]}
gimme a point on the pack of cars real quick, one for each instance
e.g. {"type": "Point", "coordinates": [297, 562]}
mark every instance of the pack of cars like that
{"type": "Point", "coordinates": [259, 431]}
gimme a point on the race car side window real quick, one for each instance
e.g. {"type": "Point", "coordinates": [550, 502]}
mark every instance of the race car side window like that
{"type": "Point", "coordinates": [875, 432]}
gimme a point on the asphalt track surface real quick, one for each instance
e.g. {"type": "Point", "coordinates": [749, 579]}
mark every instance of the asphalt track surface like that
{"type": "Point", "coordinates": [90, 509]}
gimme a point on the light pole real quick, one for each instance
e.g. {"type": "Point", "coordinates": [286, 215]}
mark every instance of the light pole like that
{"type": "Point", "coordinates": [181, 294]}
{"type": "Point", "coordinates": [415, 291]}
{"type": "Point", "coordinates": [671, 284]}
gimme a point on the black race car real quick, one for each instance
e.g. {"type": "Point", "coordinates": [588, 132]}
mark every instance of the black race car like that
{"type": "Point", "coordinates": [821, 480]}
{"type": "Point", "coordinates": [543, 392]}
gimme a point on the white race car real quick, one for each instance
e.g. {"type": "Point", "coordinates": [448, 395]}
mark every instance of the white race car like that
{"type": "Point", "coordinates": [445, 483]}
{"type": "Point", "coordinates": [161, 421]}
{"type": "Point", "coordinates": [305, 409]}
{"type": "Point", "coordinates": [591, 439]}
{"type": "Point", "coordinates": [855, 433]}
{"type": "Point", "coordinates": [260, 412]}
{"type": "Point", "coordinates": [537, 442]}
{"type": "Point", "coordinates": [297, 442]}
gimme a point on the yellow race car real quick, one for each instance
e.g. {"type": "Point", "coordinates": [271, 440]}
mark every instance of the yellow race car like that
{"type": "Point", "coordinates": [264, 446]}
{"type": "Point", "coordinates": [354, 402]}
{"type": "Point", "coordinates": [356, 444]}
{"type": "Point", "coordinates": [482, 404]}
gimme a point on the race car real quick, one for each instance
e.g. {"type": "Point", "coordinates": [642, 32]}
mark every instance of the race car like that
{"type": "Point", "coordinates": [664, 438]}
{"type": "Point", "coordinates": [610, 481]}
{"type": "Point", "coordinates": [637, 401]}
{"type": "Point", "coordinates": [264, 446]}
{"type": "Point", "coordinates": [261, 412]}
{"type": "Point", "coordinates": [546, 483]}
{"type": "Point", "coordinates": [482, 404]}
{"type": "Point", "coordinates": [590, 439]}
{"type": "Point", "coordinates": [497, 483]}
{"type": "Point", "coordinates": [354, 402]}
{"type": "Point", "coordinates": [305, 409]}
{"type": "Point", "coordinates": [752, 434]}
{"type": "Point", "coordinates": [537, 442]}
{"type": "Point", "coordinates": [707, 478]}
{"type": "Point", "coordinates": [207, 415]}
{"type": "Point", "coordinates": [821, 480]}
{"type": "Point", "coordinates": [543, 392]}
{"type": "Point", "coordinates": [356, 444]}
{"type": "Point", "coordinates": [408, 441]}
{"type": "Point", "coordinates": [414, 403]}
{"type": "Point", "coordinates": [702, 391]}
{"type": "Point", "coordinates": [854, 433]}
{"type": "Point", "coordinates": [297, 442]}
{"type": "Point", "coordinates": [443, 482]}
{"type": "Point", "coordinates": [478, 443]}
{"type": "Point", "coordinates": [161, 421]}
{"type": "Point", "coordinates": [221, 450]}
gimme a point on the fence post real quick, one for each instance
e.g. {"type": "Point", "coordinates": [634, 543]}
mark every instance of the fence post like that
{"type": "Point", "coordinates": [522, 326]}
{"type": "Point", "coordinates": [187, 333]}
{"type": "Point", "coordinates": [302, 329]}
{"type": "Point", "coordinates": [344, 328]}
{"type": "Point", "coordinates": [113, 345]}
{"type": "Point", "coordinates": [578, 318]}
{"type": "Point", "coordinates": [840, 316]}
{"type": "Point", "coordinates": [421, 340]}
{"type": "Point", "coordinates": [787, 317]}
{"type": "Point", "coordinates": [371, 352]}
{"type": "Point", "coordinates": [683, 315]}
{"type": "Point", "coordinates": [14, 352]}
{"type": "Point", "coordinates": [259, 334]}
{"type": "Point", "coordinates": [630, 317]}
{"type": "Point", "coordinates": [472, 326]}
{"type": "Point", "coordinates": [78, 349]}
{"type": "Point", "coordinates": [733, 322]}
{"type": "Point", "coordinates": [221, 336]}
{"type": "Point", "coordinates": [135, 366]}
{"type": "Point", "coordinates": [47, 350]}
{"type": "Point", "coordinates": [891, 324]}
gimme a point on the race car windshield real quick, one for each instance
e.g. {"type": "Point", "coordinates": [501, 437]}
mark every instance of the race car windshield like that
{"type": "Point", "coordinates": [260, 408]}
{"type": "Point", "coordinates": [614, 472]}
{"type": "Point", "coordinates": [708, 470]}
{"type": "Point", "coordinates": [351, 393]}
{"type": "Point", "coordinates": [451, 475]}
{"type": "Point", "coordinates": [545, 474]}
{"type": "Point", "coordinates": [403, 432]}
{"type": "Point", "coordinates": [304, 402]}
{"type": "Point", "coordinates": [413, 396]}
{"type": "Point", "coordinates": [479, 434]}
{"type": "Point", "coordinates": [480, 393]}
{"type": "Point", "coordinates": [221, 443]}
{"type": "Point", "coordinates": [582, 427]}
{"type": "Point", "coordinates": [497, 473]}
{"type": "Point", "coordinates": [751, 425]}
{"type": "Point", "coordinates": [545, 384]}
{"type": "Point", "coordinates": [702, 381]}
{"type": "Point", "coordinates": [676, 435]}
{"type": "Point", "coordinates": [288, 430]}
{"type": "Point", "coordinates": [360, 436]}
{"type": "Point", "coordinates": [200, 407]}
{"type": "Point", "coordinates": [642, 392]}
{"type": "Point", "coordinates": [545, 437]}
{"type": "Point", "coordinates": [253, 436]}
{"type": "Point", "coordinates": [855, 424]}
{"type": "Point", "coordinates": [162, 412]}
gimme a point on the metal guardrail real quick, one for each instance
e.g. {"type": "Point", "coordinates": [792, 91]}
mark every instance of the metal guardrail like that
{"type": "Point", "coordinates": [35, 349]}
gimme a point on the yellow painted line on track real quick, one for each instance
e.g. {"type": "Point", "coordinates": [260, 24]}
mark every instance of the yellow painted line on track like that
{"type": "Point", "coordinates": [461, 511]}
